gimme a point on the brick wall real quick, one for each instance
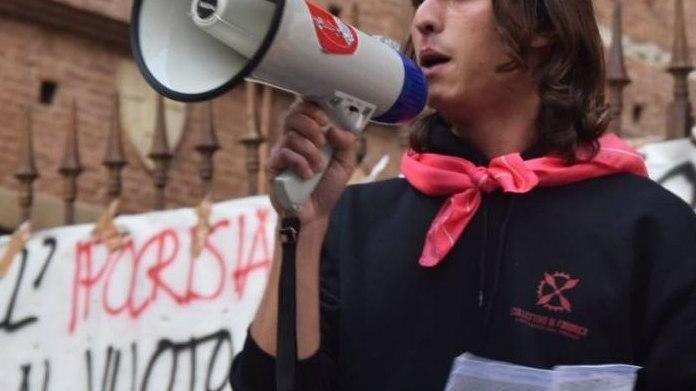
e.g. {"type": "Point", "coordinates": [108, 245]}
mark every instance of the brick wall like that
{"type": "Point", "coordinates": [648, 28]}
{"type": "Point", "coordinates": [32, 53]}
{"type": "Point", "coordinates": [85, 70]}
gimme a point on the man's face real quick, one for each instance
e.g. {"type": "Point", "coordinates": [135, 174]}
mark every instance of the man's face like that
{"type": "Point", "coordinates": [458, 48]}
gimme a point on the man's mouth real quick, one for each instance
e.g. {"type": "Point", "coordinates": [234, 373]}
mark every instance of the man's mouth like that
{"type": "Point", "coordinates": [430, 59]}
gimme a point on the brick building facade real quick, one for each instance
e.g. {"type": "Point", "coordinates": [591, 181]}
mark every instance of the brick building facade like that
{"type": "Point", "coordinates": [54, 52]}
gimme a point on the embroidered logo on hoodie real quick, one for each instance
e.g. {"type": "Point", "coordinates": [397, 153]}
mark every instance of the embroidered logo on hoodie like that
{"type": "Point", "coordinates": [552, 294]}
{"type": "Point", "coordinates": [551, 291]}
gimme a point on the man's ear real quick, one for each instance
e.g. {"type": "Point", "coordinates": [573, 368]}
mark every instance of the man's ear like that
{"type": "Point", "coordinates": [541, 41]}
{"type": "Point", "coordinates": [540, 49]}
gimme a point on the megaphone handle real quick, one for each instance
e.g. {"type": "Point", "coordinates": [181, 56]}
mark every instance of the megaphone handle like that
{"type": "Point", "coordinates": [292, 191]}
{"type": "Point", "coordinates": [347, 112]}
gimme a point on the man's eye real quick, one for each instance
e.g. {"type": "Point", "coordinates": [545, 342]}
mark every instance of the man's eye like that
{"type": "Point", "coordinates": [416, 3]}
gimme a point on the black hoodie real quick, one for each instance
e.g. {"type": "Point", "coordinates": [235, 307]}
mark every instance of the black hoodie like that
{"type": "Point", "coordinates": [596, 272]}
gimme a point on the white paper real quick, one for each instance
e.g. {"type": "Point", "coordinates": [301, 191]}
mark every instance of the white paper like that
{"type": "Point", "coordinates": [472, 373]}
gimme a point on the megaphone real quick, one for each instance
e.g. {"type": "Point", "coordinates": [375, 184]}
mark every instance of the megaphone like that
{"type": "Point", "coordinates": [194, 50]}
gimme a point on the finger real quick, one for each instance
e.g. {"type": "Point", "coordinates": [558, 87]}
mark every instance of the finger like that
{"type": "Point", "coordinates": [313, 111]}
{"type": "Point", "coordinates": [307, 127]}
{"type": "Point", "coordinates": [340, 139]}
{"type": "Point", "coordinates": [273, 165]}
{"type": "Point", "coordinates": [285, 158]}
{"type": "Point", "coordinates": [301, 145]}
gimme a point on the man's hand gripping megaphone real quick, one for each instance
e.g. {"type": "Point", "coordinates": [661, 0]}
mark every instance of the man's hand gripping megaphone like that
{"type": "Point", "coordinates": [305, 148]}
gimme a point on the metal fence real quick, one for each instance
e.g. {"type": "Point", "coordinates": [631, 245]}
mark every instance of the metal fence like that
{"type": "Point", "coordinates": [679, 123]}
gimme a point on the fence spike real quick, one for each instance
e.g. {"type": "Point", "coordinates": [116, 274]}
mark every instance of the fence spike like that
{"type": "Point", "coordinates": [252, 140]}
{"type": "Point", "coordinates": [114, 158]}
{"type": "Point", "coordinates": [71, 167]}
{"type": "Point", "coordinates": [264, 132]}
{"type": "Point", "coordinates": [161, 155]}
{"type": "Point", "coordinates": [617, 78]}
{"type": "Point", "coordinates": [679, 119]}
{"type": "Point", "coordinates": [206, 147]}
{"type": "Point", "coordinates": [26, 172]}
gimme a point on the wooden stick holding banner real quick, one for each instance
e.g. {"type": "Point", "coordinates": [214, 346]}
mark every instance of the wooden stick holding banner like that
{"type": "Point", "coordinates": [202, 228]}
{"type": "Point", "coordinates": [105, 230]}
{"type": "Point", "coordinates": [17, 242]}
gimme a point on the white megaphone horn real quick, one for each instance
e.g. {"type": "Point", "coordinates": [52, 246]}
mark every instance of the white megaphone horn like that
{"type": "Point", "coordinates": [194, 50]}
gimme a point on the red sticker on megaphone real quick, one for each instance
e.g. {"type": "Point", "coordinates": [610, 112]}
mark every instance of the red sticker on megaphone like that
{"type": "Point", "coordinates": [335, 36]}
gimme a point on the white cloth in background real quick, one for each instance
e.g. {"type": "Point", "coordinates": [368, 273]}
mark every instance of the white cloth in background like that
{"type": "Point", "coordinates": [673, 165]}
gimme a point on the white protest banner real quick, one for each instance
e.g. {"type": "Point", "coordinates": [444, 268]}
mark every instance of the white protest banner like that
{"type": "Point", "coordinates": [673, 165]}
{"type": "Point", "coordinates": [74, 316]}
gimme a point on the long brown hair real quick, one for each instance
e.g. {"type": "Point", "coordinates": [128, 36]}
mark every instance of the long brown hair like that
{"type": "Point", "coordinates": [570, 80]}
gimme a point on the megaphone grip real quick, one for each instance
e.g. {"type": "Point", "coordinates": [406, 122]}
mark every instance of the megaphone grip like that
{"type": "Point", "coordinates": [292, 191]}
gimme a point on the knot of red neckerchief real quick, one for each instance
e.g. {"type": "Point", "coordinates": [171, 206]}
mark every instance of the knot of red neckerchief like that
{"type": "Point", "coordinates": [464, 182]}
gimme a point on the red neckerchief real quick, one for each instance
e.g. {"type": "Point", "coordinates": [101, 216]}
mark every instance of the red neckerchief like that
{"type": "Point", "coordinates": [439, 175]}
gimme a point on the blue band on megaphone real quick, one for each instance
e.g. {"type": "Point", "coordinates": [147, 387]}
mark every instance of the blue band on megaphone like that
{"type": "Point", "coordinates": [413, 97]}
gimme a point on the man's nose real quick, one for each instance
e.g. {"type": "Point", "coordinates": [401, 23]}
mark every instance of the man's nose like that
{"type": "Point", "coordinates": [428, 19]}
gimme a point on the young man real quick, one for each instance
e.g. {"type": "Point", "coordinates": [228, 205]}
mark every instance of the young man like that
{"type": "Point", "coordinates": [519, 234]}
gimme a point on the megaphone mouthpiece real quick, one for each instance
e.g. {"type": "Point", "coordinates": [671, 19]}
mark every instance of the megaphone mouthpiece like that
{"type": "Point", "coordinates": [204, 9]}
{"type": "Point", "coordinates": [239, 24]}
